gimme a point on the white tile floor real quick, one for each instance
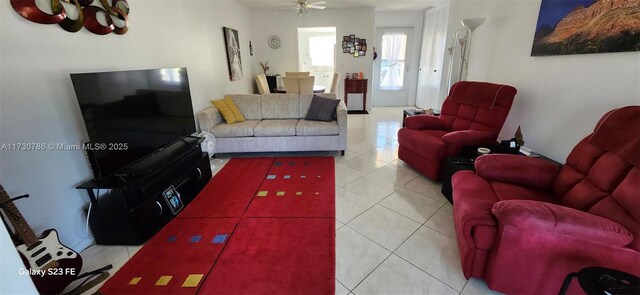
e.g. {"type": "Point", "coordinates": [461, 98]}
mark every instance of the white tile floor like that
{"type": "Point", "coordinates": [394, 229]}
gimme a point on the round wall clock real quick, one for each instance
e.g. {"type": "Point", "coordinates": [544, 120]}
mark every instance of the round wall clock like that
{"type": "Point", "coordinates": [274, 41]}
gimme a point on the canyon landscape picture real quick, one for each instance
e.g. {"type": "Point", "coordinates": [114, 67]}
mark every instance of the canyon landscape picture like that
{"type": "Point", "coordinates": [587, 26]}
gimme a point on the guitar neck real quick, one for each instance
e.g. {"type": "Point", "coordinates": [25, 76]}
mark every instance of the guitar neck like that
{"type": "Point", "coordinates": [22, 228]}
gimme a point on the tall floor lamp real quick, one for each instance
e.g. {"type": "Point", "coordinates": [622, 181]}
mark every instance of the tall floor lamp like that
{"type": "Point", "coordinates": [463, 38]}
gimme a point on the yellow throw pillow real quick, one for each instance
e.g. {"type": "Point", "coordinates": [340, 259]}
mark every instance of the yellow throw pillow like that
{"type": "Point", "coordinates": [225, 110]}
{"type": "Point", "coordinates": [234, 109]}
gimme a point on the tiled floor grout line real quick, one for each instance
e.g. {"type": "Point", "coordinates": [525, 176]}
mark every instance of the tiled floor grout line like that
{"type": "Point", "coordinates": [339, 282]}
{"type": "Point", "coordinates": [444, 234]}
{"type": "Point", "coordinates": [345, 223]}
{"type": "Point", "coordinates": [391, 251]}
{"type": "Point", "coordinates": [394, 252]}
{"type": "Point", "coordinates": [421, 224]}
{"type": "Point", "coordinates": [465, 285]}
{"type": "Point", "coordinates": [344, 187]}
{"type": "Point", "coordinates": [374, 269]}
{"type": "Point", "coordinates": [424, 271]}
{"type": "Point", "coordinates": [417, 192]}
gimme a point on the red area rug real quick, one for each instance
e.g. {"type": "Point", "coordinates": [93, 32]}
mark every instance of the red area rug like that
{"type": "Point", "coordinates": [276, 256]}
{"type": "Point", "coordinates": [261, 226]}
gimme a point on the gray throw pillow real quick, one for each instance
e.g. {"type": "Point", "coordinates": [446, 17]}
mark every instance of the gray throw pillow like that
{"type": "Point", "coordinates": [322, 109]}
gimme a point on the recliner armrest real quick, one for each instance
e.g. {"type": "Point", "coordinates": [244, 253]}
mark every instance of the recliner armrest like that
{"type": "Point", "coordinates": [467, 137]}
{"type": "Point", "coordinates": [560, 220]}
{"type": "Point", "coordinates": [520, 170]}
{"type": "Point", "coordinates": [422, 122]}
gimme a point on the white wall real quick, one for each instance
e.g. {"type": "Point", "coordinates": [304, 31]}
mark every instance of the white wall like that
{"type": "Point", "coordinates": [560, 98]}
{"type": "Point", "coordinates": [38, 104]}
{"type": "Point", "coordinates": [406, 19]}
{"type": "Point", "coordinates": [11, 281]}
{"type": "Point", "coordinates": [285, 24]}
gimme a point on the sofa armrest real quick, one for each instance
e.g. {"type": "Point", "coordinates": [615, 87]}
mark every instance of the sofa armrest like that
{"type": "Point", "coordinates": [560, 220]}
{"type": "Point", "coordinates": [468, 137]}
{"type": "Point", "coordinates": [208, 118]}
{"type": "Point", "coordinates": [341, 116]}
{"type": "Point", "coordinates": [421, 122]}
{"type": "Point", "coordinates": [533, 173]}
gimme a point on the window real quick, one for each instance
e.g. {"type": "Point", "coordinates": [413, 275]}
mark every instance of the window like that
{"type": "Point", "coordinates": [392, 61]}
{"type": "Point", "coordinates": [321, 50]}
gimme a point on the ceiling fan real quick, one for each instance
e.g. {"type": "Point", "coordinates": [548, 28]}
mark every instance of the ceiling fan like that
{"type": "Point", "coordinates": [303, 6]}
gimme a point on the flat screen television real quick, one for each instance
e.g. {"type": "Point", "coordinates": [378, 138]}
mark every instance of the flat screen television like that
{"type": "Point", "coordinates": [129, 115]}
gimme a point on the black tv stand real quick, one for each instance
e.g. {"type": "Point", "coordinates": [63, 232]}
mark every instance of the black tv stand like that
{"type": "Point", "coordinates": [132, 209]}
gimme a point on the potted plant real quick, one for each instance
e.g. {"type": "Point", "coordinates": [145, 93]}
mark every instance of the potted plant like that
{"type": "Point", "coordinates": [265, 67]}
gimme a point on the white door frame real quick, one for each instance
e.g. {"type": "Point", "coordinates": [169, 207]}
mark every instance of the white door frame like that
{"type": "Point", "coordinates": [407, 95]}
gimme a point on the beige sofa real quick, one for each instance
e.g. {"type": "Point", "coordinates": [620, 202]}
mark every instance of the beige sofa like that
{"type": "Point", "coordinates": [275, 123]}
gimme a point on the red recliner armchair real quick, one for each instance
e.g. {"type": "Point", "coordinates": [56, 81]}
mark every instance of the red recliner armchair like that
{"type": "Point", "coordinates": [472, 114]}
{"type": "Point", "coordinates": [523, 224]}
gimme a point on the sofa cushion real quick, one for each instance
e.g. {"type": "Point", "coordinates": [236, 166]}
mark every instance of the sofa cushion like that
{"type": "Point", "coordinates": [280, 106]}
{"type": "Point", "coordinates": [234, 109]}
{"type": "Point", "coordinates": [250, 105]}
{"type": "Point", "coordinates": [322, 109]}
{"type": "Point", "coordinates": [240, 129]}
{"type": "Point", "coordinates": [507, 191]}
{"type": "Point", "coordinates": [313, 128]}
{"type": "Point", "coordinates": [276, 128]}
{"type": "Point", "coordinates": [225, 110]}
{"type": "Point", "coordinates": [305, 101]}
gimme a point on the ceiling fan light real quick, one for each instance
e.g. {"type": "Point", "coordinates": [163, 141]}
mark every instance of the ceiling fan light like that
{"type": "Point", "coordinates": [304, 7]}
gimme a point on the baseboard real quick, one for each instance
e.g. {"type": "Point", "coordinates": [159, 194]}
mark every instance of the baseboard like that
{"type": "Point", "coordinates": [357, 112]}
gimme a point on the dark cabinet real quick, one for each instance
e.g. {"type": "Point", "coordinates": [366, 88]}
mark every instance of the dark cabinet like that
{"type": "Point", "coordinates": [130, 211]}
{"type": "Point", "coordinates": [356, 86]}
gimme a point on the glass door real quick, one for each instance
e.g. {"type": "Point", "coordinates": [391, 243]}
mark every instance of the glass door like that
{"type": "Point", "coordinates": [391, 69]}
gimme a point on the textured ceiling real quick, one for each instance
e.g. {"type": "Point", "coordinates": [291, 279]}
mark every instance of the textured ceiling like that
{"type": "Point", "coordinates": [382, 5]}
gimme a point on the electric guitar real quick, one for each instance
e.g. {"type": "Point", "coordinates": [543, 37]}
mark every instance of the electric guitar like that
{"type": "Point", "coordinates": [51, 265]}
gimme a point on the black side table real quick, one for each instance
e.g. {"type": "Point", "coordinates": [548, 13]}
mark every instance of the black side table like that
{"type": "Point", "coordinates": [411, 112]}
{"type": "Point", "coordinates": [451, 166]}
{"type": "Point", "coordinates": [601, 280]}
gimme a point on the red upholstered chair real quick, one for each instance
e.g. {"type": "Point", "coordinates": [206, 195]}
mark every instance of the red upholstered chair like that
{"type": "Point", "coordinates": [523, 224]}
{"type": "Point", "coordinates": [472, 114]}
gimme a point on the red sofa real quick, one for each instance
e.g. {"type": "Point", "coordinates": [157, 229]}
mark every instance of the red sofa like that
{"type": "Point", "coordinates": [472, 114]}
{"type": "Point", "coordinates": [523, 224]}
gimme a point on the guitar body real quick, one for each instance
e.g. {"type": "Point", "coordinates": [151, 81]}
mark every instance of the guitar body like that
{"type": "Point", "coordinates": [52, 266]}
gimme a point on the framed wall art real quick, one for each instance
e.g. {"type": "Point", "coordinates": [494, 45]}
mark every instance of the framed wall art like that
{"type": "Point", "coordinates": [353, 45]}
{"type": "Point", "coordinates": [586, 26]}
{"type": "Point", "coordinates": [232, 42]}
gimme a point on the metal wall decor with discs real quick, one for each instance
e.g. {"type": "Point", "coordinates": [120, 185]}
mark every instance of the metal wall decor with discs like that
{"type": "Point", "coordinates": [116, 15]}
